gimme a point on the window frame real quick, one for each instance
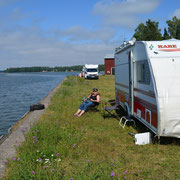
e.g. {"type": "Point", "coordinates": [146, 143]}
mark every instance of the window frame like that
{"type": "Point", "coordinates": [144, 76]}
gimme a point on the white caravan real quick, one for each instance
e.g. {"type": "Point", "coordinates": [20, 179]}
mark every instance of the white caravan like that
{"type": "Point", "coordinates": [90, 71]}
{"type": "Point", "coordinates": [147, 83]}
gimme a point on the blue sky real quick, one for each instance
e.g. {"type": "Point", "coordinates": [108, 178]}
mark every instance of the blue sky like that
{"type": "Point", "coordinates": [72, 32]}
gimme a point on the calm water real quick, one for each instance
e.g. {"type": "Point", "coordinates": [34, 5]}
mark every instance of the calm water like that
{"type": "Point", "coordinates": [20, 90]}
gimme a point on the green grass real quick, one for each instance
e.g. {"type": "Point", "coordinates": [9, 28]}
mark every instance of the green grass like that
{"type": "Point", "coordinates": [61, 146]}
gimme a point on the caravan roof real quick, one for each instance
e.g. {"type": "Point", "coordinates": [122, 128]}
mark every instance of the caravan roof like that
{"type": "Point", "coordinates": [91, 66]}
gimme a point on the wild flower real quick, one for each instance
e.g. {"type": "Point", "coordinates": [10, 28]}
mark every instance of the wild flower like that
{"type": "Point", "coordinates": [45, 167]}
{"type": "Point", "coordinates": [59, 160]}
{"type": "Point", "coordinates": [125, 172]}
{"type": "Point", "coordinates": [124, 177]}
{"type": "Point", "coordinates": [46, 160]}
{"type": "Point", "coordinates": [71, 179]}
{"type": "Point", "coordinates": [33, 172]}
{"type": "Point", "coordinates": [52, 155]}
{"type": "Point", "coordinates": [53, 170]}
{"type": "Point", "coordinates": [57, 154]}
{"type": "Point", "coordinates": [14, 158]}
{"type": "Point", "coordinates": [5, 161]}
{"type": "Point", "coordinates": [74, 145]}
{"type": "Point", "coordinates": [18, 159]}
{"type": "Point", "coordinates": [112, 174]}
{"type": "Point", "coordinates": [35, 138]}
{"type": "Point", "coordinates": [138, 170]}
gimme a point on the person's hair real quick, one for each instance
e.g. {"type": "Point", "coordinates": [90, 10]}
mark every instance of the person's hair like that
{"type": "Point", "coordinates": [95, 89]}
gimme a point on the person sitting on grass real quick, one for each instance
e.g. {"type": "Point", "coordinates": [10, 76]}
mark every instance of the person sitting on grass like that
{"type": "Point", "coordinates": [92, 100]}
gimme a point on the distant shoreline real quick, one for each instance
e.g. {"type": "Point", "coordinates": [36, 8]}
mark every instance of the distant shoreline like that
{"type": "Point", "coordinates": [76, 68]}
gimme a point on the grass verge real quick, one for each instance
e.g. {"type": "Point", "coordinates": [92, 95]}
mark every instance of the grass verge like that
{"type": "Point", "coordinates": [61, 146]}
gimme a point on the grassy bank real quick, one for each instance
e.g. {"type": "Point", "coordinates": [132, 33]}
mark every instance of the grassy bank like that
{"type": "Point", "coordinates": [61, 146]}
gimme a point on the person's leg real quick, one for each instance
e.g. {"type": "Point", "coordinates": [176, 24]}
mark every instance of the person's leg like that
{"type": "Point", "coordinates": [81, 113]}
{"type": "Point", "coordinates": [86, 106]}
{"type": "Point", "coordinates": [81, 107]}
{"type": "Point", "coordinates": [78, 111]}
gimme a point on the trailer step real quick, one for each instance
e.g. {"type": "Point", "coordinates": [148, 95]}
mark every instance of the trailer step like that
{"type": "Point", "coordinates": [126, 119]}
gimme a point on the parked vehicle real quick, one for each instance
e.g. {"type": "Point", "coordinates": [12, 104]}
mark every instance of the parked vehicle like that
{"type": "Point", "coordinates": [90, 71]}
{"type": "Point", "coordinates": [147, 84]}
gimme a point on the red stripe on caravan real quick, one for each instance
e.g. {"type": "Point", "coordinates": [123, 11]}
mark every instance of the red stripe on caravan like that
{"type": "Point", "coordinates": [170, 50]}
{"type": "Point", "coordinates": [122, 92]}
{"type": "Point", "coordinates": [141, 105]}
{"type": "Point", "coordinates": [121, 95]}
{"type": "Point", "coordinates": [142, 108]}
{"type": "Point", "coordinates": [150, 94]}
{"type": "Point", "coordinates": [141, 101]}
{"type": "Point", "coordinates": [146, 104]}
{"type": "Point", "coordinates": [154, 119]}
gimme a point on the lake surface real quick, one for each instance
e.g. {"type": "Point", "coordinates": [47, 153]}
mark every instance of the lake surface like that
{"type": "Point", "coordinates": [20, 90]}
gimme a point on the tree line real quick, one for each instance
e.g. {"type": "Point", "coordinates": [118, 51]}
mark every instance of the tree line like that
{"type": "Point", "coordinates": [150, 30]}
{"type": "Point", "coordinates": [49, 69]}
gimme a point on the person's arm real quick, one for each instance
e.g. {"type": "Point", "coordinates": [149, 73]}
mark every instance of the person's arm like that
{"type": "Point", "coordinates": [89, 96]}
{"type": "Point", "coordinates": [98, 99]}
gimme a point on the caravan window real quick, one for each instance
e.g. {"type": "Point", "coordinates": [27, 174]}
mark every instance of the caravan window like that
{"type": "Point", "coordinates": [143, 73]}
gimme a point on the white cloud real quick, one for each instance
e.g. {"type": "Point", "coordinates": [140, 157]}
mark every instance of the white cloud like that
{"type": "Point", "coordinates": [125, 13]}
{"type": "Point", "coordinates": [78, 33]}
{"type": "Point", "coordinates": [177, 13]}
{"type": "Point", "coordinates": [32, 48]}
